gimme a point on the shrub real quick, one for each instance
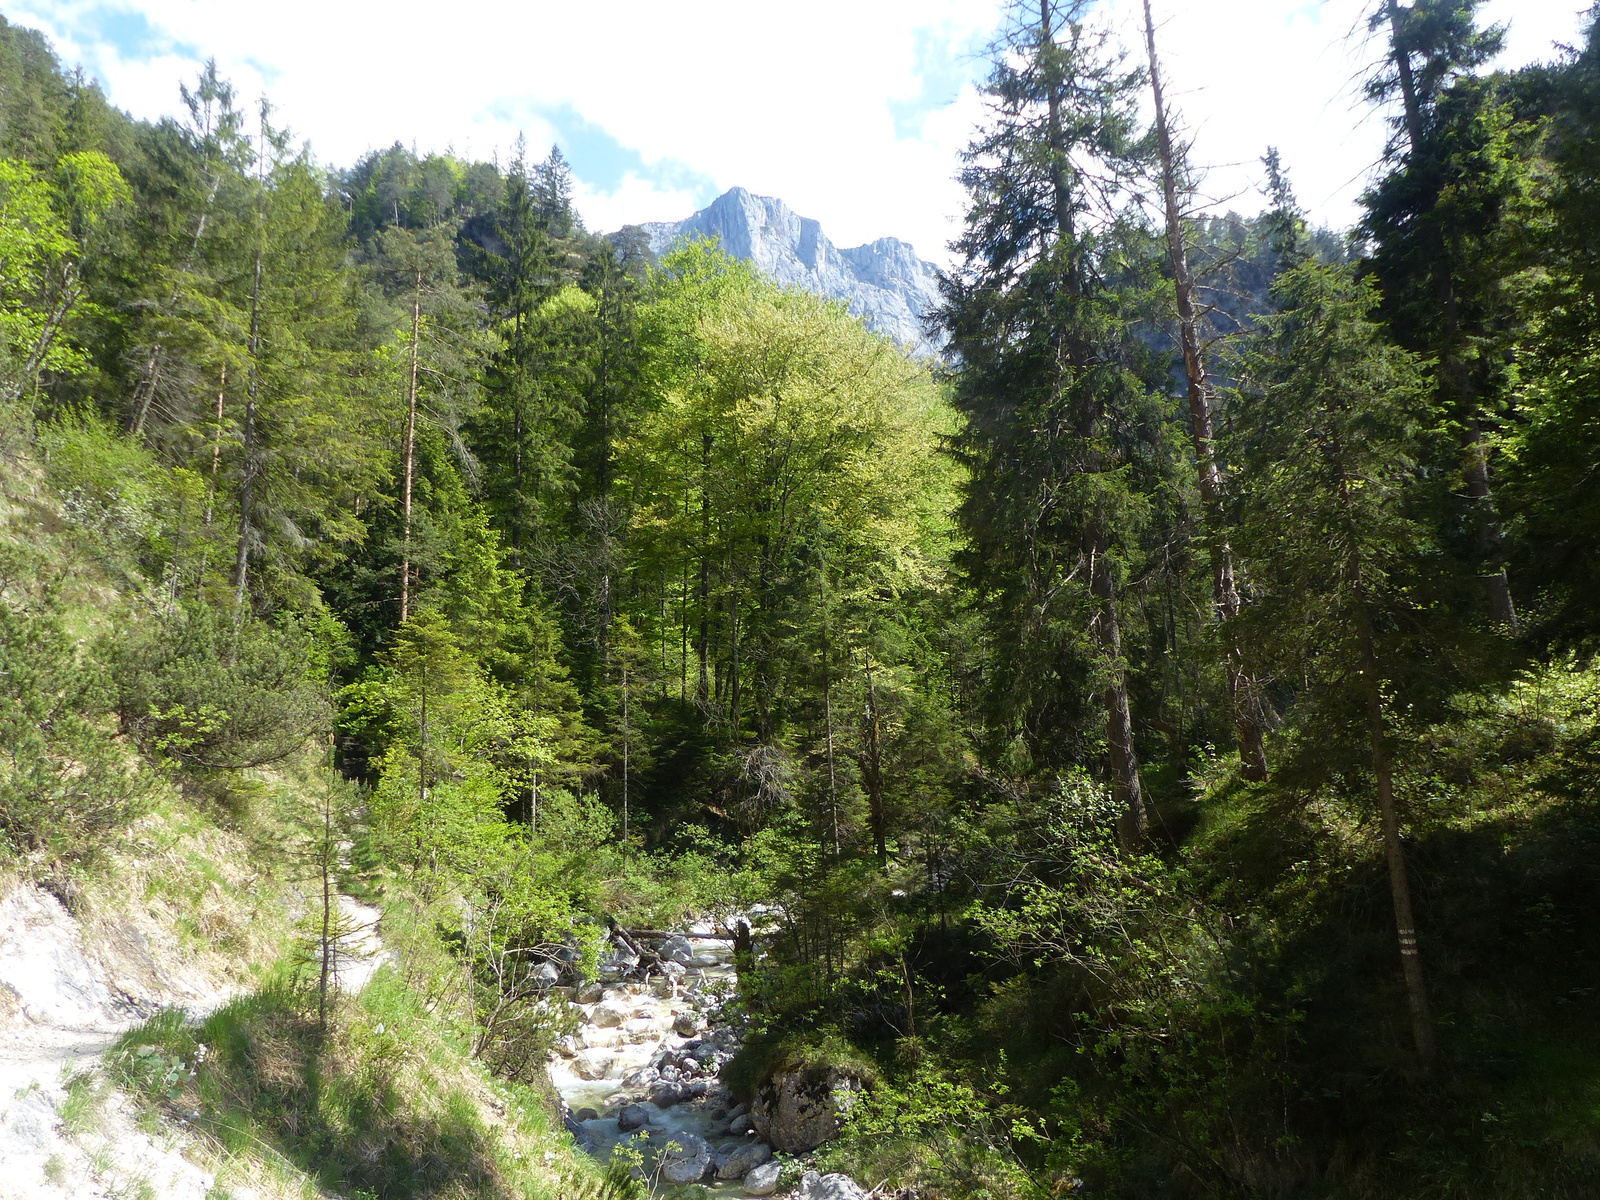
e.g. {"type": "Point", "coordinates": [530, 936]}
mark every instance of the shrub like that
{"type": "Point", "coordinates": [64, 781]}
{"type": "Point", "coordinates": [197, 689]}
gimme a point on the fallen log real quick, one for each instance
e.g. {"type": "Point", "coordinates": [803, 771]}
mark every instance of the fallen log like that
{"type": "Point", "coordinates": [663, 934]}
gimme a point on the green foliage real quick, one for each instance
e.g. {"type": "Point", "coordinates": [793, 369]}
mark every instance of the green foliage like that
{"type": "Point", "coordinates": [375, 1105]}
{"type": "Point", "coordinates": [46, 228]}
{"type": "Point", "coordinates": [66, 786]}
{"type": "Point", "coordinates": [211, 693]}
{"type": "Point", "coordinates": [713, 597]}
{"type": "Point", "coordinates": [1329, 442]}
{"type": "Point", "coordinates": [936, 1133]}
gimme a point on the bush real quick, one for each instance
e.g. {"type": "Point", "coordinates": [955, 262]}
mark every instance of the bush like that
{"type": "Point", "coordinates": [199, 690]}
{"type": "Point", "coordinates": [64, 781]}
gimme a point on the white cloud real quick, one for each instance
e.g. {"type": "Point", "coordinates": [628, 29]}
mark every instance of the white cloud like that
{"type": "Point", "coordinates": [785, 100]}
{"type": "Point", "coordinates": [632, 202]}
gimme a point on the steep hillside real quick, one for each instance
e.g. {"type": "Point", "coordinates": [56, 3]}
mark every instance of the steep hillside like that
{"type": "Point", "coordinates": [159, 972]}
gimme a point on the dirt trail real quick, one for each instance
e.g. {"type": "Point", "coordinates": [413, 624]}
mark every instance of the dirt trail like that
{"type": "Point", "coordinates": [67, 992]}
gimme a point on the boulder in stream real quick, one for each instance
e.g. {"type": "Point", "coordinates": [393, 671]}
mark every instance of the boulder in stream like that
{"type": "Point", "coordinates": [763, 1180]}
{"type": "Point", "coordinates": [545, 975]}
{"type": "Point", "coordinates": [608, 1015]}
{"type": "Point", "coordinates": [829, 1187]}
{"type": "Point", "coordinates": [633, 1116]}
{"type": "Point", "coordinates": [676, 949]}
{"type": "Point", "coordinates": [686, 1025]}
{"type": "Point", "coordinates": [799, 1110]}
{"type": "Point", "coordinates": [685, 1159]}
{"type": "Point", "coordinates": [592, 1065]}
{"type": "Point", "coordinates": [741, 1160]}
{"type": "Point", "coordinates": [666, 1093]}
{"type": "Point", "coordinates": [588, 992]}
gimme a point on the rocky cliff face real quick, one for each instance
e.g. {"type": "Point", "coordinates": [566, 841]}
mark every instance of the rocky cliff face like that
{"type": "Point", "coordinates": [883, 282]}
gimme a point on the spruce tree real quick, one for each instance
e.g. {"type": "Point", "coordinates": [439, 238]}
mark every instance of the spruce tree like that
{"type": "Point", "coordinates": [1046, 384]}
{"type": "Point", "coordinates": [1327, 433]}
{"type": "Point", "coordinates": [531, 404]}
{"type": "Point", "coordinates": [1555, 445]}
{"type": "Point", "coordinates": [1435, 222]}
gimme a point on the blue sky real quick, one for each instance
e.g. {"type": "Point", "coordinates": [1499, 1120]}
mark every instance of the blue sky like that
{"type": "Point", "coordinates": [854, 111]}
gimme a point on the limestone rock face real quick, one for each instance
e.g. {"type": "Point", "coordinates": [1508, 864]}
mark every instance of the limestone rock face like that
{"type": "Point", "coordinates": [883, 282]}
{"type": "Point", "coordinates": [798, 1111]}
{"type": "Point", "coordinates": [685, 1159]}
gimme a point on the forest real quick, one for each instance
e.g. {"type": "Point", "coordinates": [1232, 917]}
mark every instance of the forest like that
{"type": "Point", "coordinates": [1165, 727]}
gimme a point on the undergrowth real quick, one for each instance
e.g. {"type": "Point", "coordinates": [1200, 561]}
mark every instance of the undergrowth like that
{"type": "Point", "coordinates": [381, 1102]}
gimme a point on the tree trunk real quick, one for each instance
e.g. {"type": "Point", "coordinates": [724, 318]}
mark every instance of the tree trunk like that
{"type": "Point", "coordinates": [1399, 886]}
{"type": "Point", "coordinates": [216, 439]}
{"type": "Point", "coordinates": [702, 646]}
{"type": "Point", "coordinates": [411, 455]}
{"type": "Point", "coordinates": [734, 666]}
{"type": "Point", "coordinates": [247, 477]}
{"type": "Point", "coordinates": [1126, 789]}
{"type": "Point", "coordinates": [327, 903]}
{"type": "Point", "coordinates": [1224, 586]}
{"type": "Point", "coordinates": [625, 749]}
{"type": "Point", "coordinates": [874, 770]}
{"type": "Point", "coordinates": [827, 715]}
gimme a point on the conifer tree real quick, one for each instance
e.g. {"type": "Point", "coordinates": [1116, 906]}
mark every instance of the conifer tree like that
{"type": "Point", "coordinates": [1224, 584]}
{"type": "Point", "coordinates": [1435, 220]}
{"type": "Point", "coordinates": [440, 355]}
{"type": "Point", "coordinates": [302, 448]}
{"type": "Point", "coordinates": [1046, 384]}
{"type": "Point", "coordinates": [532, 404]}
{"type": "Point", "coordinates": [1327, 431]}
{"type": "Point", "coordinates": [1556, 442]}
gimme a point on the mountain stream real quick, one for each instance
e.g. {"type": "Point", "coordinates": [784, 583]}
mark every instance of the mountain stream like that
{"type": "Point", "coordinates": [639, 1078]}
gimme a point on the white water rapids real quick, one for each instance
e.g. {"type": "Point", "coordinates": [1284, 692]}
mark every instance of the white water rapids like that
{"type": "Point", "coordinates": [641, 1074]}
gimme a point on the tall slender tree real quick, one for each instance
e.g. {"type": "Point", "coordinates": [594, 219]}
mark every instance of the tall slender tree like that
{"type": "Point", "coordinates": [1046, 384]}
{"type": "Point", "coordinates": [1329, 435]}
{"type": "Point", "coordinates": [1433, 221]}
{"type": "Point", "coordinates": [1225, 588]}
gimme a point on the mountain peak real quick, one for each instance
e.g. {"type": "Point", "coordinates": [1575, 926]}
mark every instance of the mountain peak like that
{"type": "Point", "coordinates": [883, 282]}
